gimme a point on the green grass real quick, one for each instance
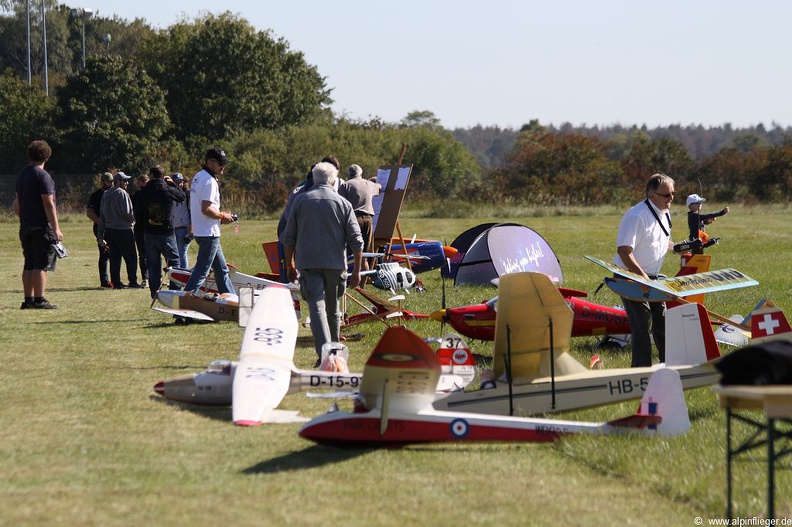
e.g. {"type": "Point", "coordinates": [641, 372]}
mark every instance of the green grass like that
{"type": "Point", "coordinates": [85, 441]}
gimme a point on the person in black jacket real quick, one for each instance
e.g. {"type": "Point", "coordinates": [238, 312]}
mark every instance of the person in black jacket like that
{"type": "Point", "coordinates": [92, 210]}
{"type": "Point", "coordinates": [697, 221]}
{"type": "Point", "coordinates": [155, 206]}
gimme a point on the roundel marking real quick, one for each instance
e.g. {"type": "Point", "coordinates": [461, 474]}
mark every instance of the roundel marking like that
{"type": "Point", "coordinates": [460, 356]}
{"type": "Point", "coordinates": [459, 428]}
{"type": "Point", "coordinates": [396, 357]}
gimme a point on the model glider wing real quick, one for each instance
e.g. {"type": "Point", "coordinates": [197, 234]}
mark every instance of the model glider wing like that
{"type": "Point", "coordinates": [681, 286]}
{"type": "Point", "coordinates": [263, 373]}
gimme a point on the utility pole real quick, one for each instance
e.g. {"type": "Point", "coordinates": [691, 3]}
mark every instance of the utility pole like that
{"type": "Point", "coordinates": [44, 26]}
{"type": "Point", "coordinates": [27, 12]}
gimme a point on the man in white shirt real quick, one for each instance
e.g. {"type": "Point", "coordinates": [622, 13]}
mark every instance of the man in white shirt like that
{"type": "Point", "coordinates": [206, 219]}
{"type": "Point", "coordinates": [642, 242]}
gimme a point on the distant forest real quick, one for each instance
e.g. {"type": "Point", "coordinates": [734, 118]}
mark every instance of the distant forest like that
{"type": "Point", "coordinates": [492, 144]}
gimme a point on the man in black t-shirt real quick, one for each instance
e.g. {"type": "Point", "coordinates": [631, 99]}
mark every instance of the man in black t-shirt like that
{"type": "Point", "coordinates": [38, 225]}
{"type": "Point", "coordinates": [92, 210]}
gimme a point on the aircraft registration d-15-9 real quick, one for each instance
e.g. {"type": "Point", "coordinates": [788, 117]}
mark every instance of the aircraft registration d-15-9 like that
{"type": "Point", "coordinates": [394, 407]}
{"type": "Point", "coordinates": [536, 374]}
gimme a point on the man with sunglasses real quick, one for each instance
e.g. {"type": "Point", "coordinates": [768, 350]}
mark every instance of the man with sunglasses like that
{"type": "Point", "coordinates": [643, 239]}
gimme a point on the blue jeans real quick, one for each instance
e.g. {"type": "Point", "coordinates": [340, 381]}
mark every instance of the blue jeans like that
{"type": "Point", "coordinates": [181, 246]}
{"type": "Point", "coordinates": [210, 256]}
{"type": "Point", "coordinates": [158, 246]}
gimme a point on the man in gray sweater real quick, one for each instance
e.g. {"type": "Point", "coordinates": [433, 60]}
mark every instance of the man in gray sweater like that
{"type": "Point", "coordinates": [116, 219]}
{"type": "Point", "coordinates": [320, 228]}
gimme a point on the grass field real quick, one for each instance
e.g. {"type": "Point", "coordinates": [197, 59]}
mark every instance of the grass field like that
{"type": "Point", "coordinates": [85, 441]}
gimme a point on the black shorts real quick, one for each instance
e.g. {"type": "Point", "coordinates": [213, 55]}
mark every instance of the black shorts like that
{"type": "Point", "coordinates": [37, 247]}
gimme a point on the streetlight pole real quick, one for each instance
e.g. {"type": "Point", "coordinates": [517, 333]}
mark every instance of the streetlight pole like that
{"type": "Point", "coordinates": [27, 10]}
{"type": "Point", "coordinates": [83, 13]}
{"type": "Point", "coordinates": [44, 26]}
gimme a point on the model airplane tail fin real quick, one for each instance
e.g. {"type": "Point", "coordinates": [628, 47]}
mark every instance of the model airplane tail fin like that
{"type": "Point", "coordinates": [769, 323]}
{"type": "Point", "coordinates": [533, 323]}
{"type": "Point", "coordinates": [662, 409]}
{"type": "Point", "coordinates": [689, 336]}
{"type": "Point", "coordinates": [402, 372]}
{"type": "Point", "coordinates": [456, 359]}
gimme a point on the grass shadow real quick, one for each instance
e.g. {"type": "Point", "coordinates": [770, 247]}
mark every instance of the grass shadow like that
{"type": "Point", "coordinates": [312, 457]}
{"type": "Point", "coordinates": [217, 413]}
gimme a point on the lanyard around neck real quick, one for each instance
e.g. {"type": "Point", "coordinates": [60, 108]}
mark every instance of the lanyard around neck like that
{"type": "Point", "coordinates": [668, 217]}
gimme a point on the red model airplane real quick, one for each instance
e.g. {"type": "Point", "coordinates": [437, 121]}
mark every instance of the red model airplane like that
{"type": "Point", "coordinates": [478, 321]}
{"type": "Point", "coordinates": [394, 407]}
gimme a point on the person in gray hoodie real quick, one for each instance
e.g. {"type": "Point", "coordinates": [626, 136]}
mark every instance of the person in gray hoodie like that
{"type": "Point", "coordinates": [116, 219]}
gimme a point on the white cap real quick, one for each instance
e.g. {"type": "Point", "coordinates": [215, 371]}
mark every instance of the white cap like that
{"type": "Point", "coordinates": [693, 199]}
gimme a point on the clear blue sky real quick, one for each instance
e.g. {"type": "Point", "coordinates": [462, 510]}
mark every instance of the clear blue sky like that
{"type": "Point", "coordinates": [505, 62]}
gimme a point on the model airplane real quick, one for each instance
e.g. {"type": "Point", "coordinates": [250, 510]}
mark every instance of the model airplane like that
{"type": "Point", "coordinates": [186, 306]}
{"type": "Point", "coordinates": [214, 387]}
{"type": "Point", "coordinates": [681, 286]}
{"type": "Point", "coordinates": [590, 319]}
{"type": "Point", "coordinates": [536, 374]}
{"type": "Point", "coordinates": [263, 373]}
{"type": "Point", "coordinates": [379, 309]}
{"type": "Point", "coordinates": [423, 255]}
{"type": "Point", "coordinates": [478, 321]}
{"type": "Point", "coordinates": [391, 276]}
{"type": "Point", "coordinates": [239, 280]}
{"type": "Point", "coordinates": [394, 407]}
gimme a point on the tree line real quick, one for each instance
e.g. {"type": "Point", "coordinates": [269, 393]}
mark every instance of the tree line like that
{"type": "Point", "coordinates": [162, 96]}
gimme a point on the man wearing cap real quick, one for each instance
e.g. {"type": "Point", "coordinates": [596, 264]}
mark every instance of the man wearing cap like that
{"type": "Point", "coordinates": [360, 192]}
{"type": "Point", "coordinates": [155, 202]}
{"type": "Point", "coordinates": [92, 210]}
{"type": "Point", "coordinates": [34, 203]}
{"type": "Point", "coordinates": [642, 242]}
{"type": "Point", "coordinates": [116, 219]}
{"type": "Point", "coordinates": [697, 220]}
{"type": "Point", "coordinates": [180, 218]}
{"type": "Point", "coordinates": [206, 219]}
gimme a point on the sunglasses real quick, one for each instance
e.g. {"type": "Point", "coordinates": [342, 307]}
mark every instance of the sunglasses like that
{"type": "Point", "coordinates": [666, 196]}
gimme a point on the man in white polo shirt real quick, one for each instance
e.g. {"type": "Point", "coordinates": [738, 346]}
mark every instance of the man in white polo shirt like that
{"type": "Point", "coordinates": [206, 219]}
{"type": "Point", "coordinates": [642, 242]}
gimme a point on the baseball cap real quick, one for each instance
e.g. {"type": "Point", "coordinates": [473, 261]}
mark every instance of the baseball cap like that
{"type": "Point", "coordinates": [120, 176]}
{"type": "Point", "coordinates": [218, 154]}
{"type": "Point", "coordinates": [694, 198]}
{"type": "Point", "coordinates": [177, 177]}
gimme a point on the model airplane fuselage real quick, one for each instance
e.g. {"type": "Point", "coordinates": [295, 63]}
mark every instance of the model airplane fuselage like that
{"type": "Point", "coordinates": [478, 321]}
{"type": "Point", "coordinates": [183, 304]}
{"type": "Point", "coordinates": [394, 407]}
{"type": "Point", "coordinates": [214, 387]}
{"type": "Point", "coordinates": [423, 255]}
